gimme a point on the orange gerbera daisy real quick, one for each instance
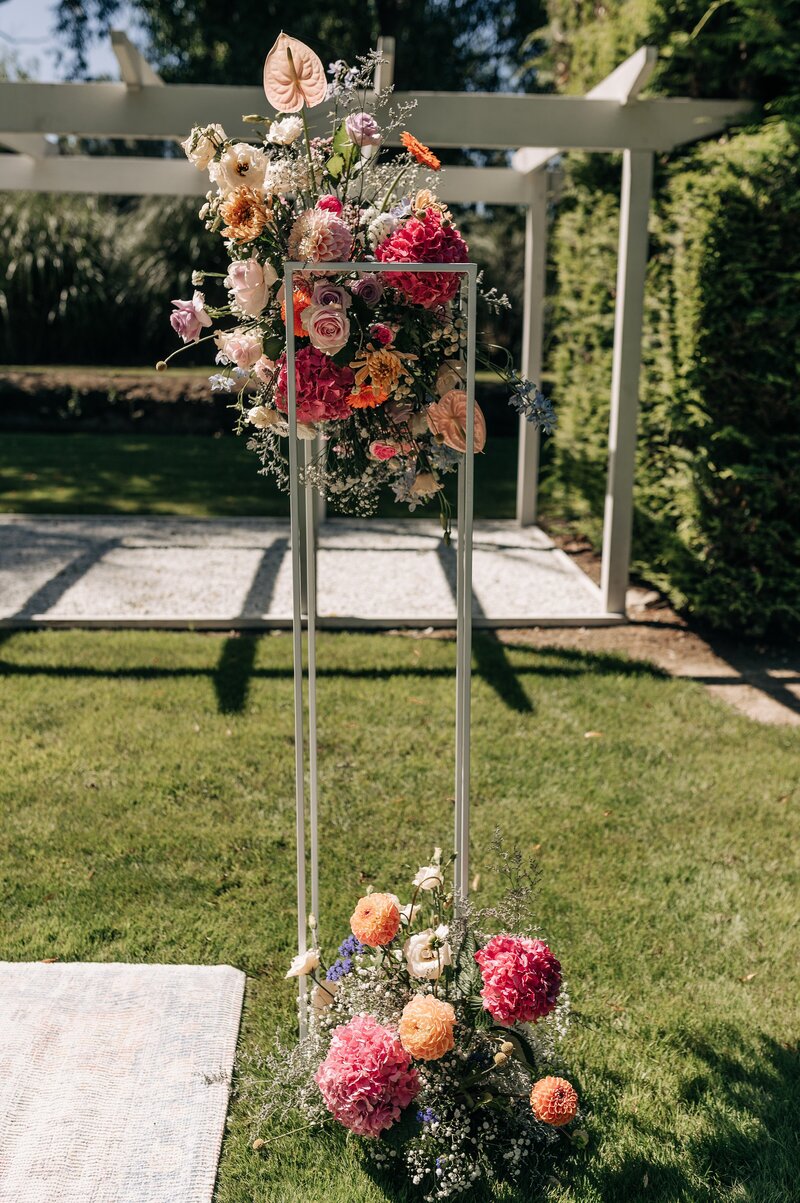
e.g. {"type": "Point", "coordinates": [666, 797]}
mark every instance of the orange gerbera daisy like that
{"type": "Point", "coordinates": [367, 397]}
{"type": "Point", "coordinates": [300, 301]}
{"type": "Point", "coordinates": [419, 151]}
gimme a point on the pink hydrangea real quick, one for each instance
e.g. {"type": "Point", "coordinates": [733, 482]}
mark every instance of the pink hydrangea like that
{"type": "Point", "coordinates": [424, 238]}
{"type": "Point", "coordinates": [521, 979]}
{"type": "Point", "coordinates": [367, 1077]}
{"type": "Point", "coordinates": [322, 387]}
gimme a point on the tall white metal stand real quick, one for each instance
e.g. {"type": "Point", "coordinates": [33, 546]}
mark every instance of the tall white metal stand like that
{"type": "Point", "coordinates": [304, 592]}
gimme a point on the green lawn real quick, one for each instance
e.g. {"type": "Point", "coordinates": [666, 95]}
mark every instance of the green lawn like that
{"type": "Point", "coordinates": [200, 477]}
{"type": "Point", "coordinates": [147, 797]}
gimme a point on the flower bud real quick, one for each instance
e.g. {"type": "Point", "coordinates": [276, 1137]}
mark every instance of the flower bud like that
{"type": "Point", "coordinates": [500, 1058]}
{"type": "Point", "coordinates": [507, 1047]}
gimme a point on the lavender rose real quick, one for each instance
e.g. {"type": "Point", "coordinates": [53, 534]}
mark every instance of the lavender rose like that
{"type": "Point", "coordinates": [331, 294]}
{"type": "Point", "coordinates": [363, 129]}
{"type": "Point", "coordinates": [327, 326]}
{"type": "Point", "coordinates": [190, 317]}
{"type": "Point", "coordinates": [369, 288]}
{"type": "Point", "coordinates": [250, 282]}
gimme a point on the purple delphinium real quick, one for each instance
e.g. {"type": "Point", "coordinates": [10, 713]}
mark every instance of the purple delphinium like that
{"type": "Point", "coordinates": [349, 948]}
{"type": "Point", "coordinates": [426, 1116]}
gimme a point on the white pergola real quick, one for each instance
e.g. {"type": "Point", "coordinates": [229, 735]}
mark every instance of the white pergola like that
{"type": "Point", "coordinates": [610, 118]}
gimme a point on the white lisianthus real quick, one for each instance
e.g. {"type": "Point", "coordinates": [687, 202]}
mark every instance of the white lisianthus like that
{"type": "Point", "coordinates": [240, 166]}
{"type": "Point", "coordinates": [427, 954]}
{"type": "Point", "coordinates": [286, 131]}
{"type": "Point", "coordinates": [410, 912]}
{"type": "Point", "coordinates": [304, 963]}
{"type": "Point", "coordinates": [201, 145]}
{"type": "Point", "coordinates": [322, 996]}
{"type": "Point", "coordinates": [429, 877]}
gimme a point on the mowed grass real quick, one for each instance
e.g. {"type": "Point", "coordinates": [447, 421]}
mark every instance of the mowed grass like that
{"type": "Point", "coordinates": [192, 475]}
{"type": "Point", "coordinates": [147, 795]}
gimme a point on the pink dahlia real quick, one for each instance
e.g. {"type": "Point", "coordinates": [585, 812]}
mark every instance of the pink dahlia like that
{"type": "Point", "coordinates": [521, 979]}
{"type": "Point", "coordinates": [424, 239]}
{"type": "Point", "coordinates": [322, 387]}
{"type": "Point", "coordinates": [319, 236]}
{"type": "Point", "coordinates": [367, 1077]}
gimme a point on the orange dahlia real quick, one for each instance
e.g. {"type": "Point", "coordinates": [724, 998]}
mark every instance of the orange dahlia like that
{"type": "Point", "coordinates": [376, 919]}
{"type": "Point", "coordinates": [245, 214]}
{"type": "Point", "coordinates": [554, 1102]}
{"type": "Point", "coordinates": [300, 301]}
{"type": "Point", "coordinates": [419, 151]}
{"type": "Point", "coordinates": [367, 397]}
{"type": "Point", "coordinates": [426, 1027]}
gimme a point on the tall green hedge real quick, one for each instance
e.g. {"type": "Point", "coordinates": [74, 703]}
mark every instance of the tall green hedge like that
{"type": "Point", "coordinates": [717, 519]}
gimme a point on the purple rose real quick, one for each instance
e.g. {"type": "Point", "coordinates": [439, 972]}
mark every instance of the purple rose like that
{"type": "Point", "coordinates": [368, 288]}
{"type": "Point", "coordinates": [189, 318]}
{"type": "Point", "coordinates": [331, 294]}
{"type": "Point", "coordinates": [327, 327]}
{"type": "Point", "coordinates": [363, 129]}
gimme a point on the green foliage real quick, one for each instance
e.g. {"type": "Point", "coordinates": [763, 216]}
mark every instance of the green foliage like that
{"type": "Point", "coordinates": [718, 482]}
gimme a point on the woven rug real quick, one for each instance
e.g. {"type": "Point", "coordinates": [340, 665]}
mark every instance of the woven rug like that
{"type": "Point", "coordinates": [114, 1080]}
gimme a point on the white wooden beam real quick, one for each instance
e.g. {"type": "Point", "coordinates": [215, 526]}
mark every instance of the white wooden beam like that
{"type": "Point", "coordinates": [134, 68]}
{"type": "Point", "coordinates": [134, 175]}
{"type": "Point", "coordinates": [532, 341]}
{"type": "Point", "coordinates": [384, 72]}
{"type": "Point", "coordinates": [623, 85]}
{"type": "Point", "coordinates": [442, 119]}
{"type": "Point", "coordinates": [29, 144]}
{"type": "Point", "coordinates": [637, 177]}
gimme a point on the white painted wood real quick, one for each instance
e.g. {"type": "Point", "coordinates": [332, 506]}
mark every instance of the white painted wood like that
{"type": "Point", "coordinates": [134, 68]}
{"type": "Point", "coordinates": [532, 341]}
{"type": "Point", "coordinates": [637, 178]}
{"type": "Point", "coordinates": [623, 85]}
{"type": "Point", "coordinates": [384, 74]}
{"type": "Point", "coordinates": [440, 119]}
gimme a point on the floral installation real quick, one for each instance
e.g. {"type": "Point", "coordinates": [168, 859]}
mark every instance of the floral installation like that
{"type": "Point", "coordinates": [430, 1040]}
{"type": "Point", "coordinates": [380, 361]}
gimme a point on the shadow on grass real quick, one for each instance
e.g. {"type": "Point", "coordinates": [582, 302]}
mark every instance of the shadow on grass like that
{"type": "Point", "coordinates": [236, 670]}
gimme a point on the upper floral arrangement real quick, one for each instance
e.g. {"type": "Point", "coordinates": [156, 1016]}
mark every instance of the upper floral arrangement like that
{"type": "Point", "coordinates": [379, 363]}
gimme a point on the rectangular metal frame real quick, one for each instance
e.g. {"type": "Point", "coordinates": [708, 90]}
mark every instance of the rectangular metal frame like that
{"type": "Point", "coordinates": [304, 551]}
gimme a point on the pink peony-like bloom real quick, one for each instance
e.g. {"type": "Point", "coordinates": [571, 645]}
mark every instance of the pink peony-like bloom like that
{"type": "Point", "coordinates": [380, 333]}
{"type": "Point", "coordinates": [189, 318]}
{"type": "Point", "coordinates": [424, 238]}
{"type": "Point", "coordinates": [327, 327]}
{"type": "Point", "coordinates": [367, 1078]}
{"type": "Point", "coordinates": [322, 387]}
{"type": "Point", "coordinates": [319, 237]}
{"type": "Point", "coordinates": [363, 129]}
{"type": "Point", "coordinates": [521, 979]}
{"type": "Point", "coordinates": [330, 204]}
{"type": "Point", "coordinates": [242, 347]}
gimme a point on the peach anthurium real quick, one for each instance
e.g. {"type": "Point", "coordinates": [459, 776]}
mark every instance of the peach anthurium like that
{"type": "Point", "coordinates": [293, 76]}
{"type": "Point", "coordinates": [448, 417]}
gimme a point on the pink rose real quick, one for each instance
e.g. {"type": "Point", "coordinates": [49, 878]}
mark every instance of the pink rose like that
{"type": "Point", "coordinates": [379, 333]}
{"type": "Point", "coordinates": [330, 204]}
{"type": "Point", "coordinates": [264, 369]}
{"type": "Point", "coordinates": [327, 327]}
{"type": "Point", "coordinates": [383, 451]}
{"type": "Point", "coordinates": [363, 129]}
{"type": "Point", "coordinates": [189, 318]}
{"type": "Point", "coordinates": [242, 347]}
{"type": "Point", "coordinates": [250, 282]}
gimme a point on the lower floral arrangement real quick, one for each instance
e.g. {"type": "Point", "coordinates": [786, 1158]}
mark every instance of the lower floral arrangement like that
{"type": "Point", "coordinates": [432, 1041]}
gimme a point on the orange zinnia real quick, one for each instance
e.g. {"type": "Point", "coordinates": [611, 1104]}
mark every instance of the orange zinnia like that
{"type": "Point", "coordinates": [301, 300]}
{"type": "Point", "coordinates": [376, 919]}
{"type": "Point", "coordinates": [367, 397]}
{"type": "Point", "coordinates": [419, 151]}
{"type": "Point", "coordinates": [554, 1102]}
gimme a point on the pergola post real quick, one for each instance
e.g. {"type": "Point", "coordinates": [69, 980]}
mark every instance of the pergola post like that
{"type": "Point", "coordinates": [637, 178]}
{"type": "Point", "coordinates": [532, 339]}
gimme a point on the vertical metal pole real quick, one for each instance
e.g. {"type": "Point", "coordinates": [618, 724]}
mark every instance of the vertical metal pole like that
{"type": "Point", "coordinates": [532, 340]}
{"type": "Point", "coordinates": [384, 73]}
{"type": "Point", "coordinates": [464, 609]}
{"type": "Point", "coordinates": [297, 643]}
{"type": "Point", "coordinates": [311, 611]}
{"type": "Point", "coordinates": [637, 180]}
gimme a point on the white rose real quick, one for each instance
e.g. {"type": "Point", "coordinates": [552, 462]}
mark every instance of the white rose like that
{"type": "Point", "coordinates": [283, 133]}
{"type": "Point", "coordinates": [322, 996]}
{"type": "Point", "coordinates": [241, 165]}
{"type": "Point", "coordinates": [423, 958]}
{"type": "Point", "coordinates": [429, 877]}
{"type": "Point", "coordinates": [201, 145]}
{"type": "Point", "coordinates": [303, 963]}
{"type": "Point", "coordinates": [250, 282]}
